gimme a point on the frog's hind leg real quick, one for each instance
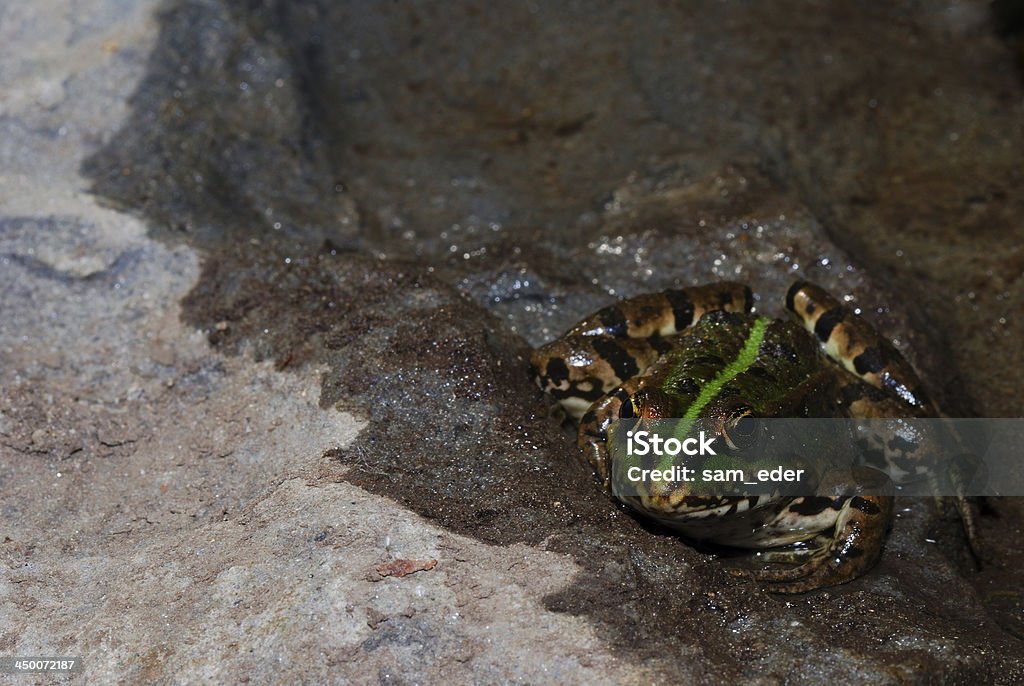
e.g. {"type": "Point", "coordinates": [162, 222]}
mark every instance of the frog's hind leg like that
{"type": "Point", "coordinates": [577, 371]}
{"type": "Point", "coordinates": [894, 389]}
{"type": "Point", "coordinates": [856, 346]}
{"type": "Point", "coordinates": [665, 313]}
{"type": "Point", "coordinates": [861, 523]}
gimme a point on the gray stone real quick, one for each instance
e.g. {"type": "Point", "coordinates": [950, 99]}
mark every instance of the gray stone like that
{"type": "Point", "coordinates": [270, 274]}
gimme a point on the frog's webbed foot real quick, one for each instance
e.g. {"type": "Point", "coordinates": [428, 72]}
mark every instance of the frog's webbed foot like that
{"type": "Point", "coordinates": [855, 546]}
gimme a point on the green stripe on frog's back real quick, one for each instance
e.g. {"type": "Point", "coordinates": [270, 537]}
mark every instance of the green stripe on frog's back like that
{"type": "Point", "coordinates": [745, 357]}
{"type": "Point", "coordinates": [757, 359]}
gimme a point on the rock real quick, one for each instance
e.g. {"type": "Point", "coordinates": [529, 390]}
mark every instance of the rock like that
{"type": "Point", "coordinates": [283, 339]}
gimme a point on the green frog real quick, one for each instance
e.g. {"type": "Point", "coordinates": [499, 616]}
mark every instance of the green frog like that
{"type": "Point", "coordinates": [700, 352]}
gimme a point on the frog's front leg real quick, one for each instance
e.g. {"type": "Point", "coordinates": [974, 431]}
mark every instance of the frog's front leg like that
{"type": "Point", "coordinates": [592, 437]}
{"type": "Point", "coordinates": [621, 341]}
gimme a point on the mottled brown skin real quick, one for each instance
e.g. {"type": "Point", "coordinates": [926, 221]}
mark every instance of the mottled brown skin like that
{"type": "Point", "coordinates": [618, 342]}
{"type": "Point", "coordinates": [641, 357]}
{"type": "Point", "coordinates": [857, 346]}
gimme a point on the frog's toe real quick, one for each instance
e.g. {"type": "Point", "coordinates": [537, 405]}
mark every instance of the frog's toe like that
{"type": "Point", "coordinates": [824, 569]}
{"type": "Point", "coordinates": [796, 554]}
{"type": "Point", "coordinates": [817, 572]}
{"type": "Point", "coordinates": [792, 557]}
{"type": "Point", "coordinates": [799, 579]}
{"type": "Point", "coordinates": [968, 511]}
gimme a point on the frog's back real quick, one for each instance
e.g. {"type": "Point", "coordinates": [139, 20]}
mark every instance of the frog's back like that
{"type": "Point", "coordinates": [771, 367]}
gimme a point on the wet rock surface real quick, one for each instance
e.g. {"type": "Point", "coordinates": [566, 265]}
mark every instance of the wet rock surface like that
{"type": "Point", "coordinates": [400, 201]}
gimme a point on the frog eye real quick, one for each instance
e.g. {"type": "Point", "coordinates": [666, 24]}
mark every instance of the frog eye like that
{"type": "Point", "coordinates": [647, 403]}
{"type": "Point", "coordinates": [630, 409]}
{"type": "Point", "coordinates": [740, 430]}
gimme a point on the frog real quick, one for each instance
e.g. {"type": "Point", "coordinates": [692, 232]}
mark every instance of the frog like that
{"type": "Point", "coordinates": [678, 352]}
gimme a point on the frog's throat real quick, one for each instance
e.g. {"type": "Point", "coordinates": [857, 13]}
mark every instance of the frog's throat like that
{"type": "Point", "coordinates": [746, 357]}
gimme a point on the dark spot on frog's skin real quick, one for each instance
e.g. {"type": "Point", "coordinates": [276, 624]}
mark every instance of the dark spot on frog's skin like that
{"type": "Point", "coordinates": [815, 505]}
{"type": "Point", "coordinates": [873, 458]}
{"type": "Point", "coordinates": [594, 392]}
{"type": "Point", "coordinates": [864, 505]}
{"type": "Point", "coordinates": [850, 393]}
{"type": "Point", "coordinates": [827, 322]}
{"type": "Point", "coordinates": [660, 344]}
{"type": "Point", "coordinates": [871, 361]}
{"type": "Point", "coordinates": [901, 445]}
{"type": "Point", "coordinates": [614, 321]}
{"type": "Point", "coordinates": [853, 392]}
{"type": "Point", "coordinates": [791, 294]}
{"type": "Point", "coordinates": [557, 371]}
{"type": "Point", "coordinates": [682, 308]}
{"type": "Point", "coordinates": [621, 362]}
